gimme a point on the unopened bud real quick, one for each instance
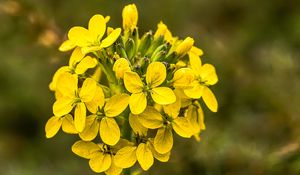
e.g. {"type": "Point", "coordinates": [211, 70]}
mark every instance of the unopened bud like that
{"type": "Point", "coordinates": [185, 46]}
{"type": "Point", "coordinates": [130, 17]}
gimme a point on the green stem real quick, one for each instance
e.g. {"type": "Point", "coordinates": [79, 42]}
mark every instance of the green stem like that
{"type": "Point", "coordinates": [127, 134]}
{"type": "Point", "coordinates": [112, 80]}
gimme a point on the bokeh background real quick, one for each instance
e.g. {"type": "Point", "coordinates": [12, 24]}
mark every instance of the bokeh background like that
{"type": "Point", "coordinates": [255, 46]}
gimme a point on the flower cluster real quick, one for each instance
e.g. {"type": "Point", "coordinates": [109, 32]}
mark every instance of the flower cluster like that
{"type": "Point", "coordinates": [125, 96]}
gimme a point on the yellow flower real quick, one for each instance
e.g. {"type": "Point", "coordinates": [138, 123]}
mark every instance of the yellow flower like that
{"type": "Point", "coordinates": [152, 119]}
{"type": "Point", "coordinates": [90, 39]}
{"type": "Point", "coordinates": [67, 85]}
{"type": "Point", "coordinates": [183, 78]}
{"type": "Point", "coordinates": [162, 30]}
{"type": "Point", "coordinates": [55, 123]}
{"type": "Point", "coordinates": [205, 75]}
{"type": "Point", "coordinates": [78, 64]}
{"type": "Point", "coordinates": [155, 76]}
{"type": "Point", "coordinates": [130, 17]}
{"type": "Point", "coordinates": [101, 156]}
{"type": "Point", "coordinates": [120, 67]}
{"type": "Point", "coordinates": [185, 46]}
{"type": "Point", "coordinates": [144, 153]}
{"type": "Point", "coordinates": [103, 121]}
{"type": "Point", "coordinates": [196, 117]}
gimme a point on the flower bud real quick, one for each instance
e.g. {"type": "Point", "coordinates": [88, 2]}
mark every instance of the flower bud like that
{"type": "Point", "coordinates": [130, 48]}
{"type": "Point", "coordinates": [159, 52]}
{"type": "Point", "coordinates": [162, 30]}
{"type": "Point", "coordinates": [130, 17]}
{"type": "Point", "coordinates": [145, 43]}
{"type": "Point", "coordinates": [120, 67]}
{"type": "Point", "coordinates": [185, 46]}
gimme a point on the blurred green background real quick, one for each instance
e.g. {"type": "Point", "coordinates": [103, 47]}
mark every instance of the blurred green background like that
{"type": "Point", "coordinates": [255, 46]}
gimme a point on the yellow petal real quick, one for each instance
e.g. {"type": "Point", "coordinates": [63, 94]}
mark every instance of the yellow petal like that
{"type": "Point", "coordinates": [116, 105]}
{"type": "Point", "coordinates": [109, 131]}
{"type": "Point", "coordinates": [66, 46]}
{"type": "Point", "coordinates": [80, 36]}
{"type": "Point", "coordinates": [195, 50]}
{"type": "Point", "coordinates": [163, 141]}
{"type": "Point", "coordinates": [136, 126]}
{"type": "Point", "coordinates": [195, 63]}
{"type": "Point", "coordinates": [184, 100]}
{"type": "Point", "coordinates": [111, 38]}
{"type": "Point", "coordinates": [196, 91]}
{"type": "Point", "coordinates": [172, 110]}
{"type": "Point", "coordinates": [192, 116]}
{"type": "Point", "coordinates": [114, 169]}
{"type": "Point", "coordinates": [156, 74]}
{"type": "Point", "coordinates": [210, 100]}
{"type": "Point", "coordinates": [85, 149]}
{"type": "Point", "coordinates": [67, 84]}
{"type": "Point", "coordinates": [151, 118]}
{"type": "Point", "coordinates": [76, 57]}
{"type": "Point", "coordinates": [57, 95]}
{"type": "Point", "coordinates": [80, 117]}
{"type": "Point", "coordinates": [133, 82]}
{"type": "Point", "coordinates": [208, 74]}
{"type": "Point", "coordinates": [121, 144]}
{"type": "Point", "coordinates": [100, 162]}
{"type": "Point", "coordinates": [52, 85]}
{"type": "Point", "coordinates": [126, 157]}
{"type": "Point", "coordinates": [120, 67]}
{"type": "Point", "coordinates": [130, 17]}
{"type": "Point", "coordinates": [62, 106]}
{"type": "Point", "coordinates": [137, 103]}
{"type": "Point", "coordinates": [182, 127]}
{"type": "Point", "coordinates": [97, 26]}
{"type": "Point", "coordinates": [88, 90]}
{"type": "Point", "coordinates": [91, 128]}
{"type": "Point", "coordinates": [163, 95]}
{"type": "Point", "coordinates": [97, 101]}
{"type": "Point", "coordinates": [183, 78]}
{"type": "Point", "coordinates": [196, 118]}
{"type": "Point", "coordinates": [97, 74]}
{"type": "Point", "coordinates": [68, 124]}
{"type": "Point", "coordinates": [161, 157]}
{"type": "Point", "coordinates": [144, 156]}
{"type": "Point", "coordinates": [200, 117]}
{"type": "Point", "coordinates": [52, 126]}
{"type": "Point", "coordinates": [85, 64]}
{"type": "Point", "coordinates": [91, 48]}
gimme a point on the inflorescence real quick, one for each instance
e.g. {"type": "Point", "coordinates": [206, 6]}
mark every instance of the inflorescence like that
{"type": "Point", "coordinates": [126, 95]}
